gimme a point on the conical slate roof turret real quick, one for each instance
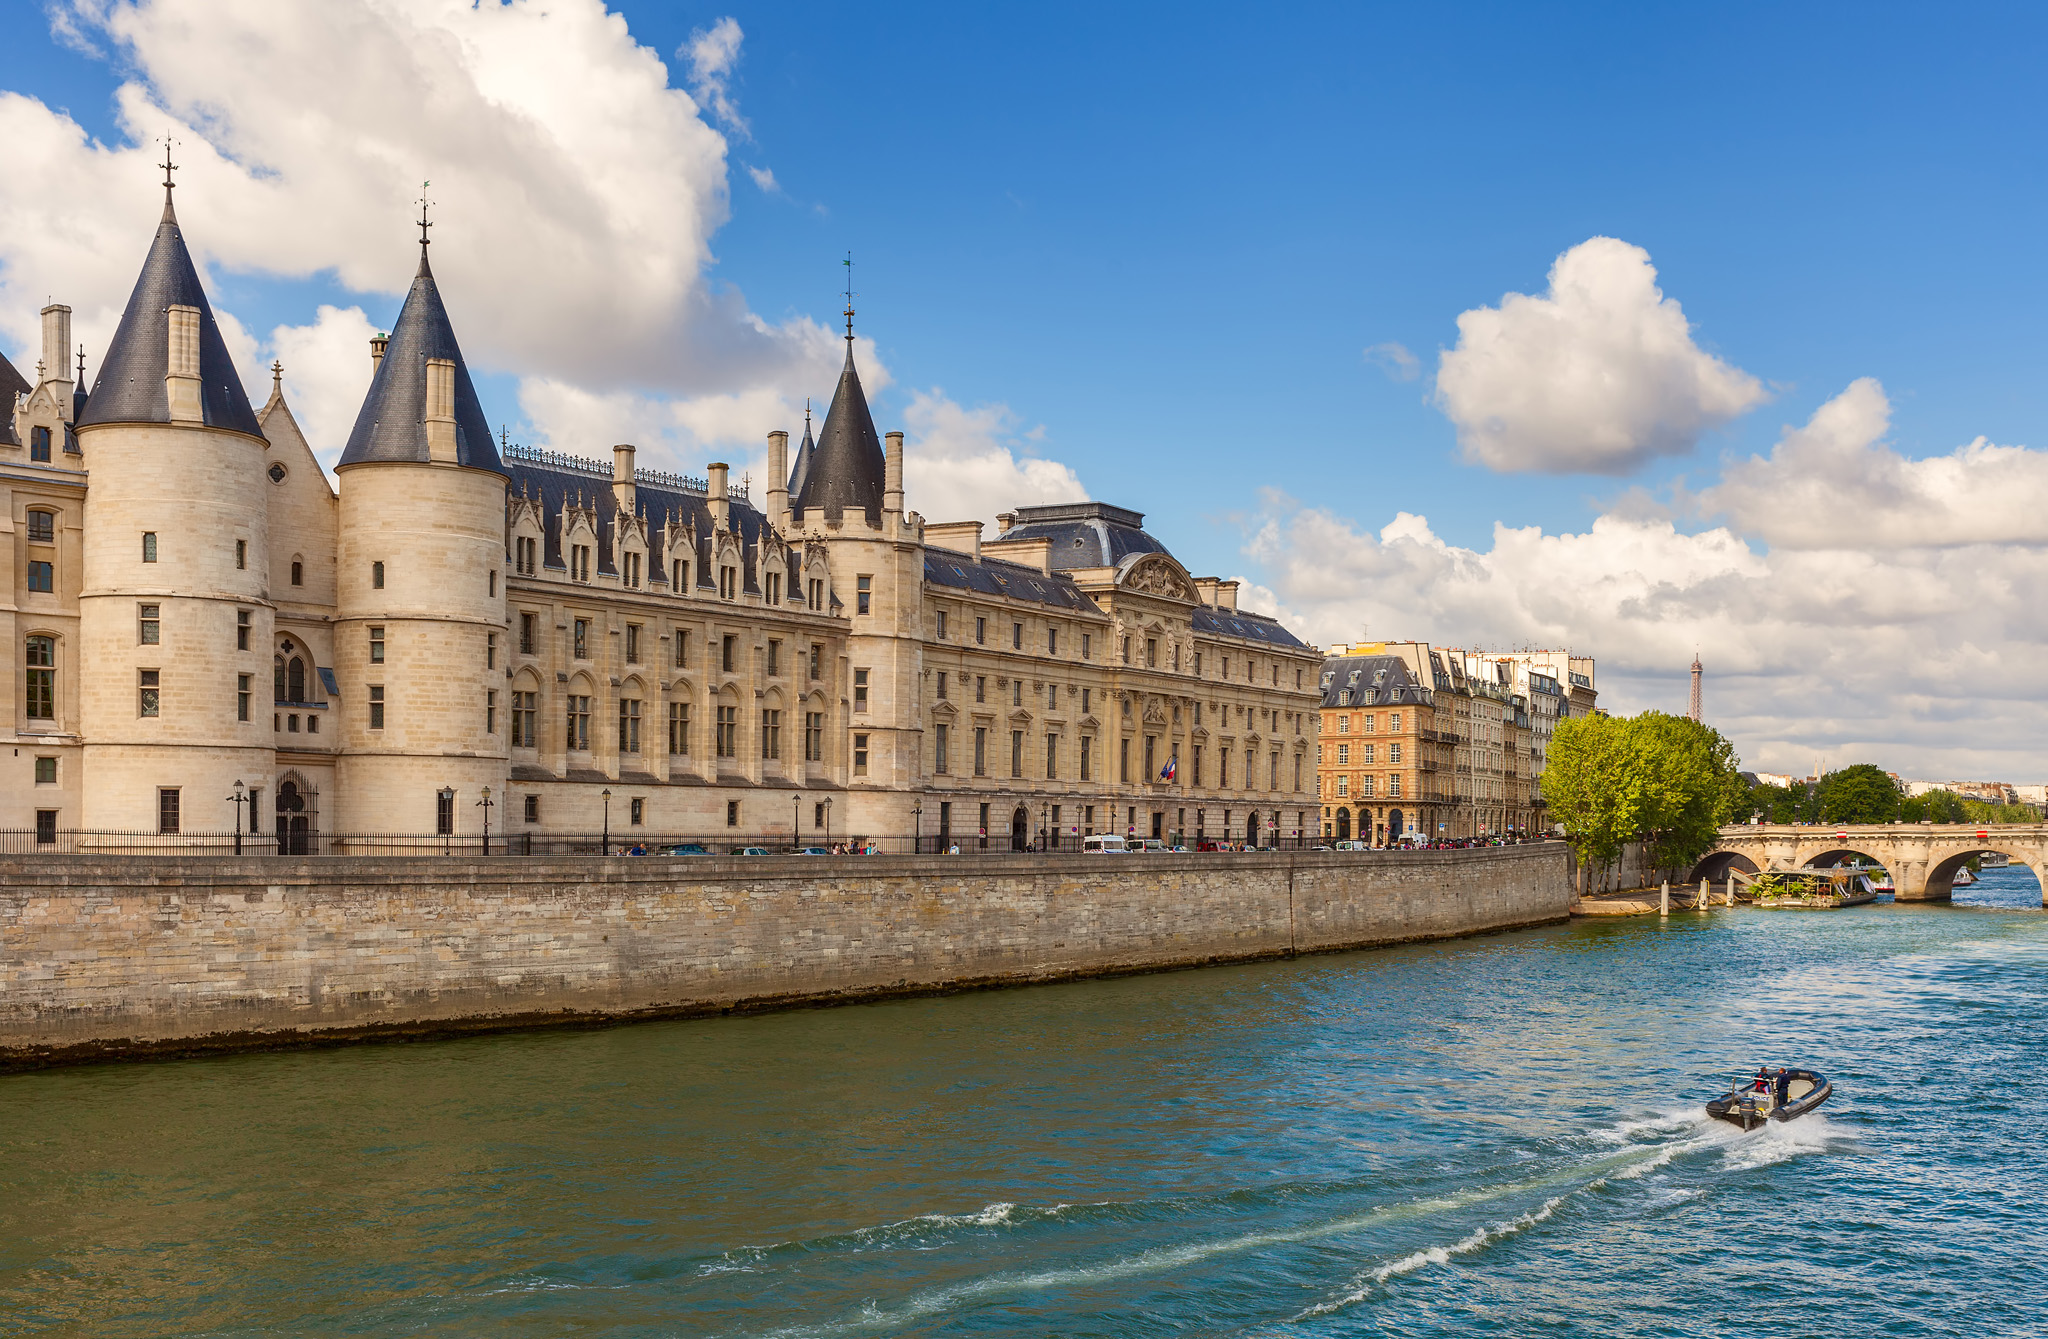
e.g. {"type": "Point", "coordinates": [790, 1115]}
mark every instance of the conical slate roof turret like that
{"type": "Point", "coordinates": [802, 469]}
{"type": "Point", "coordinates": [131, 388]}
{"type": "Point", "coordinates": [845, 470]}
{"type": "Point", "coordinates": [392, 426]}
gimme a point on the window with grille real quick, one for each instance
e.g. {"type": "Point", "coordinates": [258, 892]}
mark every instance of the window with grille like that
{"type": "Point", "coordinates": [376, 648]}
{"type": "Point", "coordinates": [771, 734]}
{"type": "Point", "coordinates": [376, 707]}
{"type": "Point", "coordinates": [814, 736]}
{"type": "Point", "coordinates": [860, 755]}
{"type": "Point", "coordinates": [151, 687]}
{"type": "Point", "coordinates": [860, 690]}
{"type": "Point", "coordinates": [524, 708]}
{"type": "Point", "coordinates": [728, 732]}
{"type": "Point", "coordinates": [149, 624]}
{"type": "Point", "coordinates": [576, 718]}
{"type": "Point", "coordinates": [42, 527]}
{"type": "Point", "coordinates": [167, 812]}
{"type": "Point", "coordinates": [579, 638]}
{"type": "Point", "coordinates": [629, 725]}
{"type": "Point", "coordinates": [679, 728]}
{"type": "Point", "coordinates": [40, 653]}
{"type": "Point", "coordinates": [939, 750]}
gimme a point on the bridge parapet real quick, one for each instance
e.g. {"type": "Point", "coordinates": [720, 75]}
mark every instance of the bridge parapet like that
{"type": "Point", "coordinates": [1922, 858]}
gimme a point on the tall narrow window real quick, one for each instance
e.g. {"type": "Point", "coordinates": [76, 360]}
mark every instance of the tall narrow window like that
{"type": "Point", "coordinates": [629, 725]}
{"type": "Point", "coordinates": [490, 711]}
{"type": "Point", "coordinates": [1087, 646]}
{"type": "Point", "coordinates": [579, 636]}
{"type": "Point", "coordinates": [1087, 757]}
{"type": "Point", "coordinates": [942, 624]}
{"type": "Point", "coordinates": [863, 589]}
{"type": "Point", "coordinates": [860, 755]}
{"type": "Point", "coordinates": [632, 643]}
{"type": "Point", "coordinates": [167, 812]}
{"type": "Point", "coordinates": [939, 750]}
{"type": "Point", "coordinates": [942, 686]}
{"type": "Point", "coordinates": [980, 751]}
{"type": "Point", "coordinates": [679, 728]}
{"type": "Point", "coordinates": [376, 647]}
{"type": "Point", "coordinates": [728, 583]}
{"type": "Point", "coordinates": [242, 697]}
{"type": "Point", "coordinates": [774, 658]}
{"type": "Point", "coordinates": [817, 661]}
{"type": "Point", "coordinates": [772, 588]}
{"type": "Point", "coordinates": [577, 719]}
{"type": "Point", "coordinates": [632, 572]}
{"type": "Point", "coordinates": [728, 732]}
{"type": "Point", "coordinates": [771, 734]}
{"type": "Point", "coordinates": [1052, 757]}
{"type": "Point", "coordinates": [980, 632]}
{"type": "Point", "coordinates": [728, 652]}
{"type": "Point", "coordinates": [677, 570]}
{"type": "Point", "coordinates": [860, 690]}
{"type": "Point", "coordinates": [814, 594]}
{"type": "Point", "coordinates": [1016, 753]}
{"type": "Point", "coordinates": [377, 576]}
{"type": "Point", "coordinates": [39, 445]}
{"type": "Point", "coordinates": [814, 736]}
{"type": "Point", "coordinates": [242, 617]}
{"type": "Point", "coordinates": [241, 555]}
{"type": "Point", "coordinates": [1016, 636]}
{"type": "Point", "coordinates": [376, 706]}
{"type": "Point", "coordinates": [295, 680]}
{"type": "Point", "coordinates": [444, 813]}
{"type": "Point", "coordinates": [298, 572]}
{"type": "Point", "coordinates": [149, 624]}
{"type": "Point", "coordinates": [149, 546]}
{"type": "Point", "coordinates": [490, 650]}
{"type": "Point", "coordinates": [523, 711]}
{"type": "Point", "coordinates": [41, 658]}
{"type": "Point", "coordinates": [151, 685]}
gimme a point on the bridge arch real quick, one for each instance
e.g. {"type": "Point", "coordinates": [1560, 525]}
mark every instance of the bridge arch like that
{"type": "Point", "coordinates": [1921, 858]}
{"type": "Point", "coordinates": [1714, 866]}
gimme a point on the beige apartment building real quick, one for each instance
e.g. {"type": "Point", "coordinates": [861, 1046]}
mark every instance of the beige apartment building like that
{"type": "Point", "coordinates": [467, 632]}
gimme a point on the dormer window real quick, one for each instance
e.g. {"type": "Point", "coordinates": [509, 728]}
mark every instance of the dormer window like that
{"type": "Point", "coordinates": [579, 562]}
{"type": "Point", "coordinates": [631, 571]}
{"type": "Point", "coordinates": [728, 583]}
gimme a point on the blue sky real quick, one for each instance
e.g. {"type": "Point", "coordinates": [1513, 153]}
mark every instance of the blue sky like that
{"type": "Point", "coordinates": [1163, 239]}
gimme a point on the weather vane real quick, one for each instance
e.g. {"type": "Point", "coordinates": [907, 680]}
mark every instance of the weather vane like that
{"type": "Point", "coordinates": [849, 296]}
{"type": "Point", "coordinates": [424, 225]}
{"type": "Point", "coordinates": [169, 167]}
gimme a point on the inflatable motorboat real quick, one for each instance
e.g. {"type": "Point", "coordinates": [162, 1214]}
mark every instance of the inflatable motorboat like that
{"type": "Point", "coordinates": [1749, 1106]}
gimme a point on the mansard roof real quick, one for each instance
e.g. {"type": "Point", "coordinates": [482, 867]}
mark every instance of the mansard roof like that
{"type": "Point", "coordinates": [993, 576]}
{"type": "Point", "coordinates": [1084, 534]}
{"type": "Point", "coordinates": [392, 426]}
{"type": "Point", "coordinates": [1237, 623]}
{"type": "Point", "coordinates": [845, 470]}
{"type": "Point", "coordinates": [1346, 680]}
{"type": "Point", "coordinates": [130, 388]}
{"type": "Point", "coordinates": [557, 481]}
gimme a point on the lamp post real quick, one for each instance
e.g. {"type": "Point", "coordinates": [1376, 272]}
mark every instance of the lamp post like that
{"type": "Point", "coordinates": [238, 799]}
{"type": "Point", "coordinates": [1044, 826]}
{"type": "Point", "coordinates": [917, 826]}
{"type": "Point", "coordinates": [828, 822]}
{"type": "Point", "coordinates": [485, 805]}
{"type": "Point", "coordinates": [796, 832]}
{"type": "Point", "coordinates": [607, 848]}
{"type": "Point", "coordinates": [445, 820]}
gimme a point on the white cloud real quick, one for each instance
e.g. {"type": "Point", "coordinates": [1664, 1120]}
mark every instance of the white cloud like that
{"type": "Point", "coordinates": [1835, 484]}
{"type": "Point", "coordinates": [326, 374]}
{"type": "Point", "coordinates": [1922, 656]}
{"type": "Point", "coordinates": [713, 54]}
{"type": "Point", "coordinates": [1599, 375]}
{"type": "Point", "coordinates": [765, 180]}
{"type": "Point", "coordinates": [963, 464]}
{"type": "Point", "coordinates": [576, 192]}
{"type": "Point", "coordinates": [1395, 360]}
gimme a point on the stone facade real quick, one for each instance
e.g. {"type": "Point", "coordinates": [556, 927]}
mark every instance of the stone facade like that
{"type": "Point", "coordinates": [586, 645]}
{"type": "Point", "coordinates": [111, 956]}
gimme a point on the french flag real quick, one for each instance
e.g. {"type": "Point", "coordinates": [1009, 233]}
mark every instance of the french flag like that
{"type": "Point", "coordinates": [1166, 772]}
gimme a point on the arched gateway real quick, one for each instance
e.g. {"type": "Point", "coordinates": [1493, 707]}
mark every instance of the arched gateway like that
{"type": "Point", "coordinates": [1922, 858]}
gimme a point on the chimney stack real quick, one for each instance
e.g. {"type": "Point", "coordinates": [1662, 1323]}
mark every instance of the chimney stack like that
{"type": "Point", "coordinates": [181, 373]}
{"type": "Point", "coordinates": [721, 508]}
{"type": "Point", "coordinates": [778, 480]}
{"type": "Point", "coordinates": [377, 344]}
{"type": "Point", "coordinates": [57, 343]}
{"type": "Point", "coordinates": [1004, 520]}
{"type": "Point", "coordinates": [440, 415]}
{"type": "Point", "coordinates": [892, 474]}
{"type": "Point", "coordinates": [622, 480]}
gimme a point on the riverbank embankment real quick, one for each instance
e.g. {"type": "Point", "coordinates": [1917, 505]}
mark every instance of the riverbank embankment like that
{"type": "Point", "coordinates": [118, 957]}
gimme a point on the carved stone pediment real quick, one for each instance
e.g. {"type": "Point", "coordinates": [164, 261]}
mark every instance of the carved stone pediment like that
{"type": "Point", "coordinates": [1157, 574]}
{"type": "Point", "coordinates": [1020, 718]}
{"type": "Point", "coordinates": [1199, 733]}
{"type": "Point", "coordinates": [944, 711]}
{"type": "Point", "coordinates": [1153, 714]}
{"type": "Point", "coordinates": [1088, 723]}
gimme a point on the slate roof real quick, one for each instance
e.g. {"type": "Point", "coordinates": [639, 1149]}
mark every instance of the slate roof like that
{"type": "Point", "coordinates": [12, 383]}
{"type": "Point", "coordinates": [392, 425]}
{"type": "Point", "coordinates": [557, 481]}
{"type": "Point", "coordinates": [845, 470]}
{"type": "Point", "coordinates": [130, 388]}
{"type": "Point", "coordinates": [1255, 627]}
{"type": "Point", "coordinates": [1084, 534]}
{"type": "Point", "coordinates": [993, 576]}
{"type": "Point", "coordinates": [1346, 679]}
{"type": "Point", "coordinates": [802, 469]}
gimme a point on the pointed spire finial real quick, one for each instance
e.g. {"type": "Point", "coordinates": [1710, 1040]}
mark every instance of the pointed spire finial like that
{"type": "Point", "coordinates": [849, 298]}
{"type": "Point", "coordinates": [504, 437]}
{"type": "Point", "coordinates": [81, 364]}
{"type": "Point", "coordinates": [277, 376]}
{"type": "Point", "coordinates": [168, 167]}
{"type": "Point", "coordinates": [424, 225]}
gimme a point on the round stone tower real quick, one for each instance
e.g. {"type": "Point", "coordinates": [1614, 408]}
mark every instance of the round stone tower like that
{"type": "Point", "coordinates": [419, 640]}
{"type": "Point", "coordinates": [174, 614]}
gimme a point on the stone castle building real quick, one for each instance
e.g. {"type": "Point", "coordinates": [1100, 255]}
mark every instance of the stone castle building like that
{"type": "Point", "coordinates": [205, 636]}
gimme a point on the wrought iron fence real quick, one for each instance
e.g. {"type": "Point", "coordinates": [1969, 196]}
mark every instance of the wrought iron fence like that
{"type": "Point", "coordinates": [68, 841]}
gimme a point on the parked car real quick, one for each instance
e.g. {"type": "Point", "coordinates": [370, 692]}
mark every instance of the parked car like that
{"type": "Point", "coordinates": [684, 848]}
{"type": "Point", "coordinates": [750, 850]}
{"type": "Point", "coordinates": [1149, 844]}
{"type": "Point", "coordinates": [813, 850]}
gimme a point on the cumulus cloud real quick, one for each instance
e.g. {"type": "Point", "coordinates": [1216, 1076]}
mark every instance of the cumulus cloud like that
{"type": "Point", "coordinates": [326, 374]}
{"type": "Point", "coordinates": [1395, 360]}
{"type": "Point", "coordinates": [962, 464]}
{"type": "Point", "coordinates": [1836, 484]}
{"type": "Point", "coordinates": [575, 192]}
{"type": "Point", "coordinates": [1918, 655]}
{"type": "Point", "coordinates": [1598, 375]}
{"type": "Point", "coordinates": [714, 53]}
{"type": "Point", "coordinates": [765, 180]}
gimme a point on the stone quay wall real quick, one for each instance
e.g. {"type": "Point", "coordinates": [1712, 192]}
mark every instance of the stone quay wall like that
{"type": "Point", "coordinates": [104, 957]}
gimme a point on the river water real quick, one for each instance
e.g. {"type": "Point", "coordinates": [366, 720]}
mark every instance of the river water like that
{"type": "Point", "coordinates": [1497, 1135]}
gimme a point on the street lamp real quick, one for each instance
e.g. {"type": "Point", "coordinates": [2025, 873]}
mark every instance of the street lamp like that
{"type": "Point", "coordinates": [607, 820]}
{"type": "Point", "coordinates": [917, 827]}
{"type": "Point", "coordinates": [828, 822]}
{"type": "Point", "coordinates": [238, 799]}
{"type": "Point", "coordinates": [485, 805]}
{"type": "Point", "coordinates": [796, 803]}
{"type": "Point", "coordinates": [445, 819]}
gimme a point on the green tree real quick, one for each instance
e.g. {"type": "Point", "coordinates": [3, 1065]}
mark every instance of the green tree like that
{"type": "Point", "coordinates": [1863, 793]}
{"type": "Point", "coordinates": [1934, 806]}
{"type": "Point", "coordinates": [1591, 785]}
{"type": "Point", "coordinates": [1664, 780]}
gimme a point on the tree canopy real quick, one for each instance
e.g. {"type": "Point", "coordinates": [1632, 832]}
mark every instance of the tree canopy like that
{"type": "Point", "coordinates": [1665, 780]}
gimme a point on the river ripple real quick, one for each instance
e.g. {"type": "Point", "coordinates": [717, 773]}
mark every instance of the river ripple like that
{"type": "Point", "coordinates": [1497, 1135]}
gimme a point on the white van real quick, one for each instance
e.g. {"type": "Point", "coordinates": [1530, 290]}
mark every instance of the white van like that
{"type": "Point", "coordinates": [1103, 844]}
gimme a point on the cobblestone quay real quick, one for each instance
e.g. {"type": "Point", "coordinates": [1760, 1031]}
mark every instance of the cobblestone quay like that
{"type": "Point", "coordinates": [105, 957]}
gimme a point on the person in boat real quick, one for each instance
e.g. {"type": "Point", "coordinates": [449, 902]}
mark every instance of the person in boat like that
{"type": "Point", "coordinates": [1763, 1080]}
{"type": "Point", "coordinates": [1781, 1087]}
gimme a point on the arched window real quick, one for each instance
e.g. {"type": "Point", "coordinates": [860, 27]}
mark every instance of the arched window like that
{"type": "Point", "coordinates": [295, 680]}
{"type": "Point", "coordinates": [41, 655]}
{"type": "Point", "coordinates": [277, 679]}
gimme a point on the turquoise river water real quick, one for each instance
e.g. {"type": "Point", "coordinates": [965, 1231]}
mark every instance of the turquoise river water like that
{"type": "Point", "coordinates": [1498, 1135]}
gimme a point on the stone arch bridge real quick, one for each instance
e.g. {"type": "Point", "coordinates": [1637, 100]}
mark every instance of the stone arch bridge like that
{"type": "Point", "coordinates": [1922, 858]}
